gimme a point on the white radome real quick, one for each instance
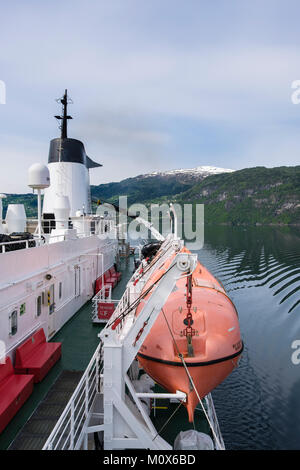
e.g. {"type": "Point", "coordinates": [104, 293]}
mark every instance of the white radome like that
{"type": "Point", "coordinates": [38, 176]}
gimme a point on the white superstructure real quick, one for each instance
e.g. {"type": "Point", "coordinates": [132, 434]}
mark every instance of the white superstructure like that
{"type": "Point", "coordinates": [69, 168]}
{"type": "Point", "coordinates": [47, 276]}
{"type": "Point", "coordinates": [71, 179]}
{"type": "Point", "coordinates": [45, 286]}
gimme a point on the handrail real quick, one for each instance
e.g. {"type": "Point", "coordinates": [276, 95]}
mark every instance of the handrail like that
{"type": "Point", "coordinates": [43, 241]}
{"type": "Point", "coordinates": [23, 338]}
{"type": "Point", "coordinates": [87, 388]}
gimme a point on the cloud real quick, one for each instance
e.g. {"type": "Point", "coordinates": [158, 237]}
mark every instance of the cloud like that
{"type": "Point", "coordinates": [156, 85]}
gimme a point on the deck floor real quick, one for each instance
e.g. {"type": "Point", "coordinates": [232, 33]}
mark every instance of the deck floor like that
{"type": "Point", "coordinates": [37, 429]}
{"type": "Point", "coordinates": [79, 337]}
{"type": "Point", "coordinates": [32, 425]}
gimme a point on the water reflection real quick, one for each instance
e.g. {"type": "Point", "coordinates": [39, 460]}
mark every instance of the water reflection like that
{"type": "Point", "coordinates": [259, 404]}
{"type": "Point", "coordinates": [265, 254]}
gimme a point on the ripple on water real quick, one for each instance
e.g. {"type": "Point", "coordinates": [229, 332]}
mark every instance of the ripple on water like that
{"type": "Point", "coordinates": [258, 405]}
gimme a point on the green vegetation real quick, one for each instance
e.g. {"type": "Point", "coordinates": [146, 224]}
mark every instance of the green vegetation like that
{"type": "Point", "coordinates": [142, 189]}
{"type": "Point", "coordinates": [251, 196]}
{"type": "Point", "coordinates": [29, 201]}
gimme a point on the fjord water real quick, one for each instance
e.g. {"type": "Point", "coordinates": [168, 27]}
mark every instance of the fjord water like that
{"type": "Point", "coordinates": [258, 405]}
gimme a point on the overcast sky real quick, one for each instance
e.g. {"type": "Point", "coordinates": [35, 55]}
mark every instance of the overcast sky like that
{"type": "Point", "coordinates": [156, 84]}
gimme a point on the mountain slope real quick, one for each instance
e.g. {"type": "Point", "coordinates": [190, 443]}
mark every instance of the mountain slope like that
{"type": "Point", "coordinates": [143, 188]}
{"type": "Point", "coordinates": [250, 196]}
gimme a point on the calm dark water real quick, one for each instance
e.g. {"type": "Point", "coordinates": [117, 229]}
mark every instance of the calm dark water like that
{"type": "Point", "coordinates": [258, 405]}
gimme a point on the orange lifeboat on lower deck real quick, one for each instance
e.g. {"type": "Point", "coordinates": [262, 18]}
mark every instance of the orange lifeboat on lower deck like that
{"type": "Point", "coordinates": [200, 322]}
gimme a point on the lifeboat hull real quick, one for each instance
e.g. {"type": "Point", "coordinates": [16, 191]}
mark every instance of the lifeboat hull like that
{"type": "Point", "coordinates": [214, 349]}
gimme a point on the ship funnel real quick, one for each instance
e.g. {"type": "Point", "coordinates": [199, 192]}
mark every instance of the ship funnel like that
{"type": "Point", "coordinates": [61, 211]}
{"type": "Point", "coordinates": [69, 168]}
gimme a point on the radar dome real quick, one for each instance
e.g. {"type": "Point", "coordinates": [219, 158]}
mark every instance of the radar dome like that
{"type": "Point", "coordinates": [38, 176]}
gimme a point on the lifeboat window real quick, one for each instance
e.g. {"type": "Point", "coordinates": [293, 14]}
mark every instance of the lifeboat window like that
{"type": "Point", "coordinates": [39, 306]}
{"type": "Point", "coordinates": [60, 290]}
{"type": "Point", "coordinates": [13, 322]}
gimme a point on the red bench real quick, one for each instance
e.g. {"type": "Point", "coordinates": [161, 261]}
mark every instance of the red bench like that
{"type": "Point", "coordinates": [108, 279]}
{"type": "Point", "coordinates": [14, 391]}
{"type": "Point", "coordinates": [98, 286]}
{"type": "Point", "coordinates": [111, 278]}
{"type": "Point", "coordinates": [36, 356]}
{"type": "Point", "coordinates": [115, 274]}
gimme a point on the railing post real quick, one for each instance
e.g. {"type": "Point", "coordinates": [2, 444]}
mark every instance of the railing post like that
{"type": "Point", "coordinates": [86, 395]}
{"type": "Point", "coordinates": [72, 426]}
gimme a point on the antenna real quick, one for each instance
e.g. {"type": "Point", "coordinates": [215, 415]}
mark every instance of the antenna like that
{"type": "Point", "coordinates": [39, 178]}
{"type": "Point", "coordinates": [64, 116]}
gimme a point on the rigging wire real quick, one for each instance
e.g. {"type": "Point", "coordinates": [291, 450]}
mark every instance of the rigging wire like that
{"type": "Point", "coordinates": [168, 420]}
{"type": "Point", "coordinates": [192, 383]}
{"type": "Point", "coordinates": [136, 302]}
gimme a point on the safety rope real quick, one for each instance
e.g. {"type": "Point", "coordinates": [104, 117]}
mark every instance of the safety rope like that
{"type": "Point", "coordinates": [168, 420]}
{"type": "Point", "coordinates": [161, 252]}
{"type": "Point", "coordinates": [201, 403]}
{"type": "Point", "coordinates": [192, 382]}
{"type": "Point", "coordinates": [136, 302]}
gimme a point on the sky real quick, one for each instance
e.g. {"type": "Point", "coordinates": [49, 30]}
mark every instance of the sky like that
{"type": "Point", "coordinates": [156, 84]}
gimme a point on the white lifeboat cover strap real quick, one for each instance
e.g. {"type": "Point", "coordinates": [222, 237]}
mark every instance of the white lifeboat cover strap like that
{"type": "Point", "coordinates": [204, 283]}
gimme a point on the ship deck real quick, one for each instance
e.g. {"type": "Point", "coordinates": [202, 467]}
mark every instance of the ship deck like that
{"type": "Point", "coordinates": [30, 428]}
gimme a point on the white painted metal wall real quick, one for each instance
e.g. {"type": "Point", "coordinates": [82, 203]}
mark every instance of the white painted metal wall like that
{"type": "Point", "coordinates": [68, 179]}
{"type": "Point", "coordinates": [29, 273]}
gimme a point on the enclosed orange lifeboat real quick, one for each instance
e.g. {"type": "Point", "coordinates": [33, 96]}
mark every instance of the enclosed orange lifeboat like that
{"type": "Point", "coordinates": [198, 322]}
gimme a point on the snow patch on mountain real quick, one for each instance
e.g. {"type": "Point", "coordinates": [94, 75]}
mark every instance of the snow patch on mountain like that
{"type": "Point", "coordinates": [198, 171]}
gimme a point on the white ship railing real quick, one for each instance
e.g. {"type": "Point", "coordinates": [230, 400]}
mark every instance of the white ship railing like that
{"type": "Point", "coordinates": [4, 244]}
{"type": "Point", "coordinates": [100, 297]}
{"type": "Point", "coordinates": [121, 304]}
{"type": "Point", "coordinates": [72, 429]}
{"type": "Point", "coordinates": [219, 443]}
{"type": "Point", "coordinates": [69, 433]}
{"type": "Point", "coordinates": [103, 227]}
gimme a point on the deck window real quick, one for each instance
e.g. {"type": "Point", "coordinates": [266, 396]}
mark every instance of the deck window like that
{"type": "Point", "coordinates": [51, 298]}
{"type": "Point", "coordinates": [77, 281]}
{"type": "Point", "coordinates": [39, 306]}
{"type": "Point", "coordinates": [13, 322]}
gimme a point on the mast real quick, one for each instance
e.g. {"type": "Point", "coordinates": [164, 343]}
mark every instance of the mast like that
{"type": "Point", "coordinates": [64, 116]}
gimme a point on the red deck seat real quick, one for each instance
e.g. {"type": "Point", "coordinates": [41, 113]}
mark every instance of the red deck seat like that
{"type": "Point", "coordinates": [109, 280]}
{"type": "Point", "coordinates": [115, 274]}
{"type": "Point", "coordinates": [98, 286]}
{"type": "Point", "coordinates": [14, 391]}
{"type": "Point", "coordinates": [36, 356]}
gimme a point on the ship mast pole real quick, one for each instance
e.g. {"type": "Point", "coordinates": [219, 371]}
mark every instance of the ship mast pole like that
{"type": "Point", "coordinates": [64, 117]}
{"type": "Point", "coordinates": [39, 214]}
{"type": "Point", "coordinates": [64, 102]}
